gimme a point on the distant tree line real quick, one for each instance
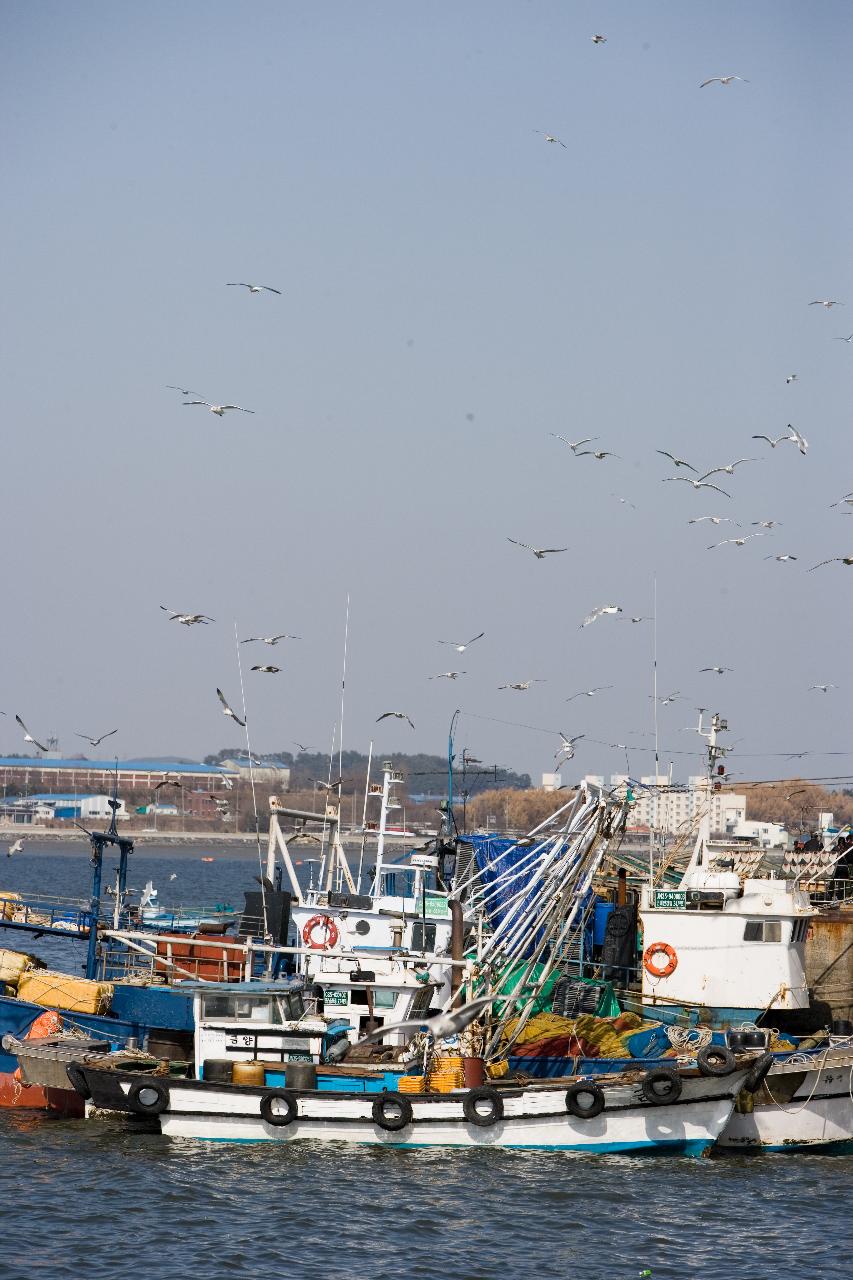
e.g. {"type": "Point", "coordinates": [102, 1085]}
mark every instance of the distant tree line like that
{"type": "Point", "coordinates": [424, 774]}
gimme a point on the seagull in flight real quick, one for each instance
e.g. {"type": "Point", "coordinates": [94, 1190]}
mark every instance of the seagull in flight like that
{"type": "Point", "coordinates": [723, 80]}
{"type": "Point", "coordinates": [718, 670]}
{"type": "Point", "coordinates": [589, 693]}
{"type": "Point", "coordinates": [782, 559]}
{"type": "Point", "coordinates": [96, 741]}
{"type": "Point", "coordinates": [729, 470]}
{"type": "Point", "coordinates": [848, 560]}
{"type": "Point", "coordinates": [187, 619]}
{"type": "Point", "coordinates": [285, 635]}
{"type": "Point", "coordinates": [697, 484]}
{"type": "Point", "coordinates": [439, 1026]}
{"type": "Point", "coordinates": [738, 542]}
{"type": "Point", "coordinates": [273, 671]}
{"type": "Point", "coordinates": [765, 524]}
{"type": "Point", "coordinates": [770, 440]}
{"type": "Point", "coordinates": [300, 745]}
{"type": "Point", "coordinates": [826, 302]}
{"type": "Point", "coordinates": [448, 675]}
{"type": "Point", "coordinates": [17, 847]}
{"type": "Point", "coordinates": [567, 745]}
{"type": "Point", "coordinates": [226, 710]}
{"type": "Point", "coordinates": [624, 501]}
{"type": "Point", "coordinates": [677, 462]}
{"type": "Point", "coordinates": [850, 339]}
{"type": "Point", "coordinates": [185, 391]}
{"type": "Point", "coordinates": [397, 715]}
{"type": "Point", "coordinates": [574, 445]}
{"type": "Point", "coordinates": [520, 685]}
{"type": "Point", "coordinates": [253, 288]}
{"type": "Point", "coordinates": [598, 39]}
{"type": "Point", "coordinates": [460, 647]}
{"type": "Point", "coordinates": [598, 454]}
{"type": "Point", "coordinates": [549, 137]}
{"type": "Point", "coordinates": [822, 687]}
{"type": "Point", "coordinates": [539, 552]}
{"type": "Point", "coordinates": [795, 438]}
{"type": "Point", "coordinates": [642, 618]}
{"type": "Point", "coordinates": [713, 519]}
{"type": "Point", "coordinates": [600, 612]}
{"type": "Point", "coordinates": [28, 737]}
{"type": "Point", "coordinates": [219, 409]}
{"type": "Point", "coordinates": [328, 786]}
{"type": "Point", "coordinates": [666, 699]}
{"type": "Point", "coordinates": [791, 377]}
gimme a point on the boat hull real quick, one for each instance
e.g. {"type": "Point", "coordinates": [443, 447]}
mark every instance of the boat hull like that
{"type": "Point", "coordinates": [534, 1117]}
{"type": "Point", "coordinates": [798, 1106]}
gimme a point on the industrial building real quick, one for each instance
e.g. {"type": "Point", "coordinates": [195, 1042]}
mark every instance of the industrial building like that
{"type": "Point", "coordinates": [51, 806]}
{"type": "Point", "coordinates": [72, 774]}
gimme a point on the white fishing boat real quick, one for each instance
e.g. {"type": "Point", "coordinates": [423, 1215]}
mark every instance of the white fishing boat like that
{"type": "Point", "coordinates": [678, 1112]}
{"type": "Point", "coordinates": [806, 1101]}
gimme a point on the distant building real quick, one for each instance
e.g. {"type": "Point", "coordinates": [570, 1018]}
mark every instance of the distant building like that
{"type": "Point", "coordinates": [51, 806]}
{"type": "Point", "coordinates": [88, 775]}
{"type": "Point", "coordinates": [673, 807]}
{"type": "Point", "coordinates": [264, 768]}
{"type": "Point", "coordinates": [551, 781]}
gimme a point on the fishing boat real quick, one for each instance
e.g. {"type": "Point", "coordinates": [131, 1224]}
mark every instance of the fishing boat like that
{"type": "Point", "coordinates": [151, 915]}
{"type": "Point", "coordinates": [684, 1114]}
{"type": "Point", "coordinates": [805, 1101]}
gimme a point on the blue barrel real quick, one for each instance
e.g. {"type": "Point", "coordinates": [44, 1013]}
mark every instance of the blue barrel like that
{"type": "Point", "coordinates": [600, 917]}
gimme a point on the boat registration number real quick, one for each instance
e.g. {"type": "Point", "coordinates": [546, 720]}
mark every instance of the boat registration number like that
{"type": "Point", "coordinates": [335, 995]}
{"type": "Point", "coordinates": [671, 899]}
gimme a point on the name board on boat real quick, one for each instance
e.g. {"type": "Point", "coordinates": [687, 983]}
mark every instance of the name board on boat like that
{"type": "Point", "coordinates": [435, 904]}
{"type": "Point", "coordinates": [671, 899]}
{"type": "Point", "coordinates": [424, 861]}
{"type": "Point", "coordinates": [335, 995]}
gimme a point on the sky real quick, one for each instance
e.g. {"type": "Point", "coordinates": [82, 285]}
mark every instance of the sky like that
{"type": "Point", "coordinates": [453, 290]}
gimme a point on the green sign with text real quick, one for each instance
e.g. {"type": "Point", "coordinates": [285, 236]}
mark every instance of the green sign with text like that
{"type": "Point", "coordinates": [671, 899]}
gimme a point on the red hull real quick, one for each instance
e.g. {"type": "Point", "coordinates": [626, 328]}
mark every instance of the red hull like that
{"type": "Point", "coordinates": [35, 1097]}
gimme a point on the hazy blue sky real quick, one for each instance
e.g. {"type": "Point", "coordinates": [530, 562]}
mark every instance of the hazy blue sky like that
{"type": "Point", "coordinates": [378, 163]}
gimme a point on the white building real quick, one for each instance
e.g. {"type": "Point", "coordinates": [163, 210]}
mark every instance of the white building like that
{"type": "Point", "coordinates": [675, 808]}
{"type": "Point", "coordinates": [769, 835]}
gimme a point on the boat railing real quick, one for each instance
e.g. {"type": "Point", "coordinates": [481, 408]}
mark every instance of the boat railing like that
{"type": "Point", "coordinates": [55, 915]}
{"type": "Point", "coordinates": [164, 957]}
{"type": "Point", "coordinates": [829, 893]}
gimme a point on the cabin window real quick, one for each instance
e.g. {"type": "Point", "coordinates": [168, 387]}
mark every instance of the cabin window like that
{"type": "Point", "coordinates": [382, 999]}
{"type": "Point", "coordinates": [762, 931]}
{"type": "Point", "coordinates": [244, 1008]}
{"type": "Point", "coordinates": [799, 931]}
{"type": "Point", "coordinates": [423, 936]}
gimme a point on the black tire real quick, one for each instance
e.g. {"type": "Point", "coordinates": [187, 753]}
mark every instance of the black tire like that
{"type": "Point", "coordinates": [474, 1099]}
{"type": "Point", "coordinates": [586, 1101]}
{"type": "Point", "coordinates": [78, 1081]}
{"type": "Point", "coordinates": [756, 1077]}
{"type": "Point", "coordinates": [138, 1098]}
{"type": "Point", "coordinates": [716, 1060]}
{"type": "Point", "coordinates": [392, 1112]}
{"type": "Point", "coordinates": [661, 1086]}
{"type": "Point", "coordinates": [278, 1119]}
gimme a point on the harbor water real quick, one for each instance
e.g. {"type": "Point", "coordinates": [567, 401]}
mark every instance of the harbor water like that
{"type": "Point", "coordinates": [98, 1199]}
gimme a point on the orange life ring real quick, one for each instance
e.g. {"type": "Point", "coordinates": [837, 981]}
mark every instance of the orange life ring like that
{"type": "Point", "coordinates": [671, 959]}
{"type": "Point", "coordinates": [330, 928]}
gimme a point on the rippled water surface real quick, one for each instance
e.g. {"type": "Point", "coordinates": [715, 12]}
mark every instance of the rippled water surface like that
{"type": "Point", "coordinates": [90, 1198]}
{"type": "Point", "coordinates": [97, 1200]}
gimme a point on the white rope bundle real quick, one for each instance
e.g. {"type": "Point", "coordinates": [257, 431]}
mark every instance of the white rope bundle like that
{"type": "Point", "coordinates": [689, 1040]}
